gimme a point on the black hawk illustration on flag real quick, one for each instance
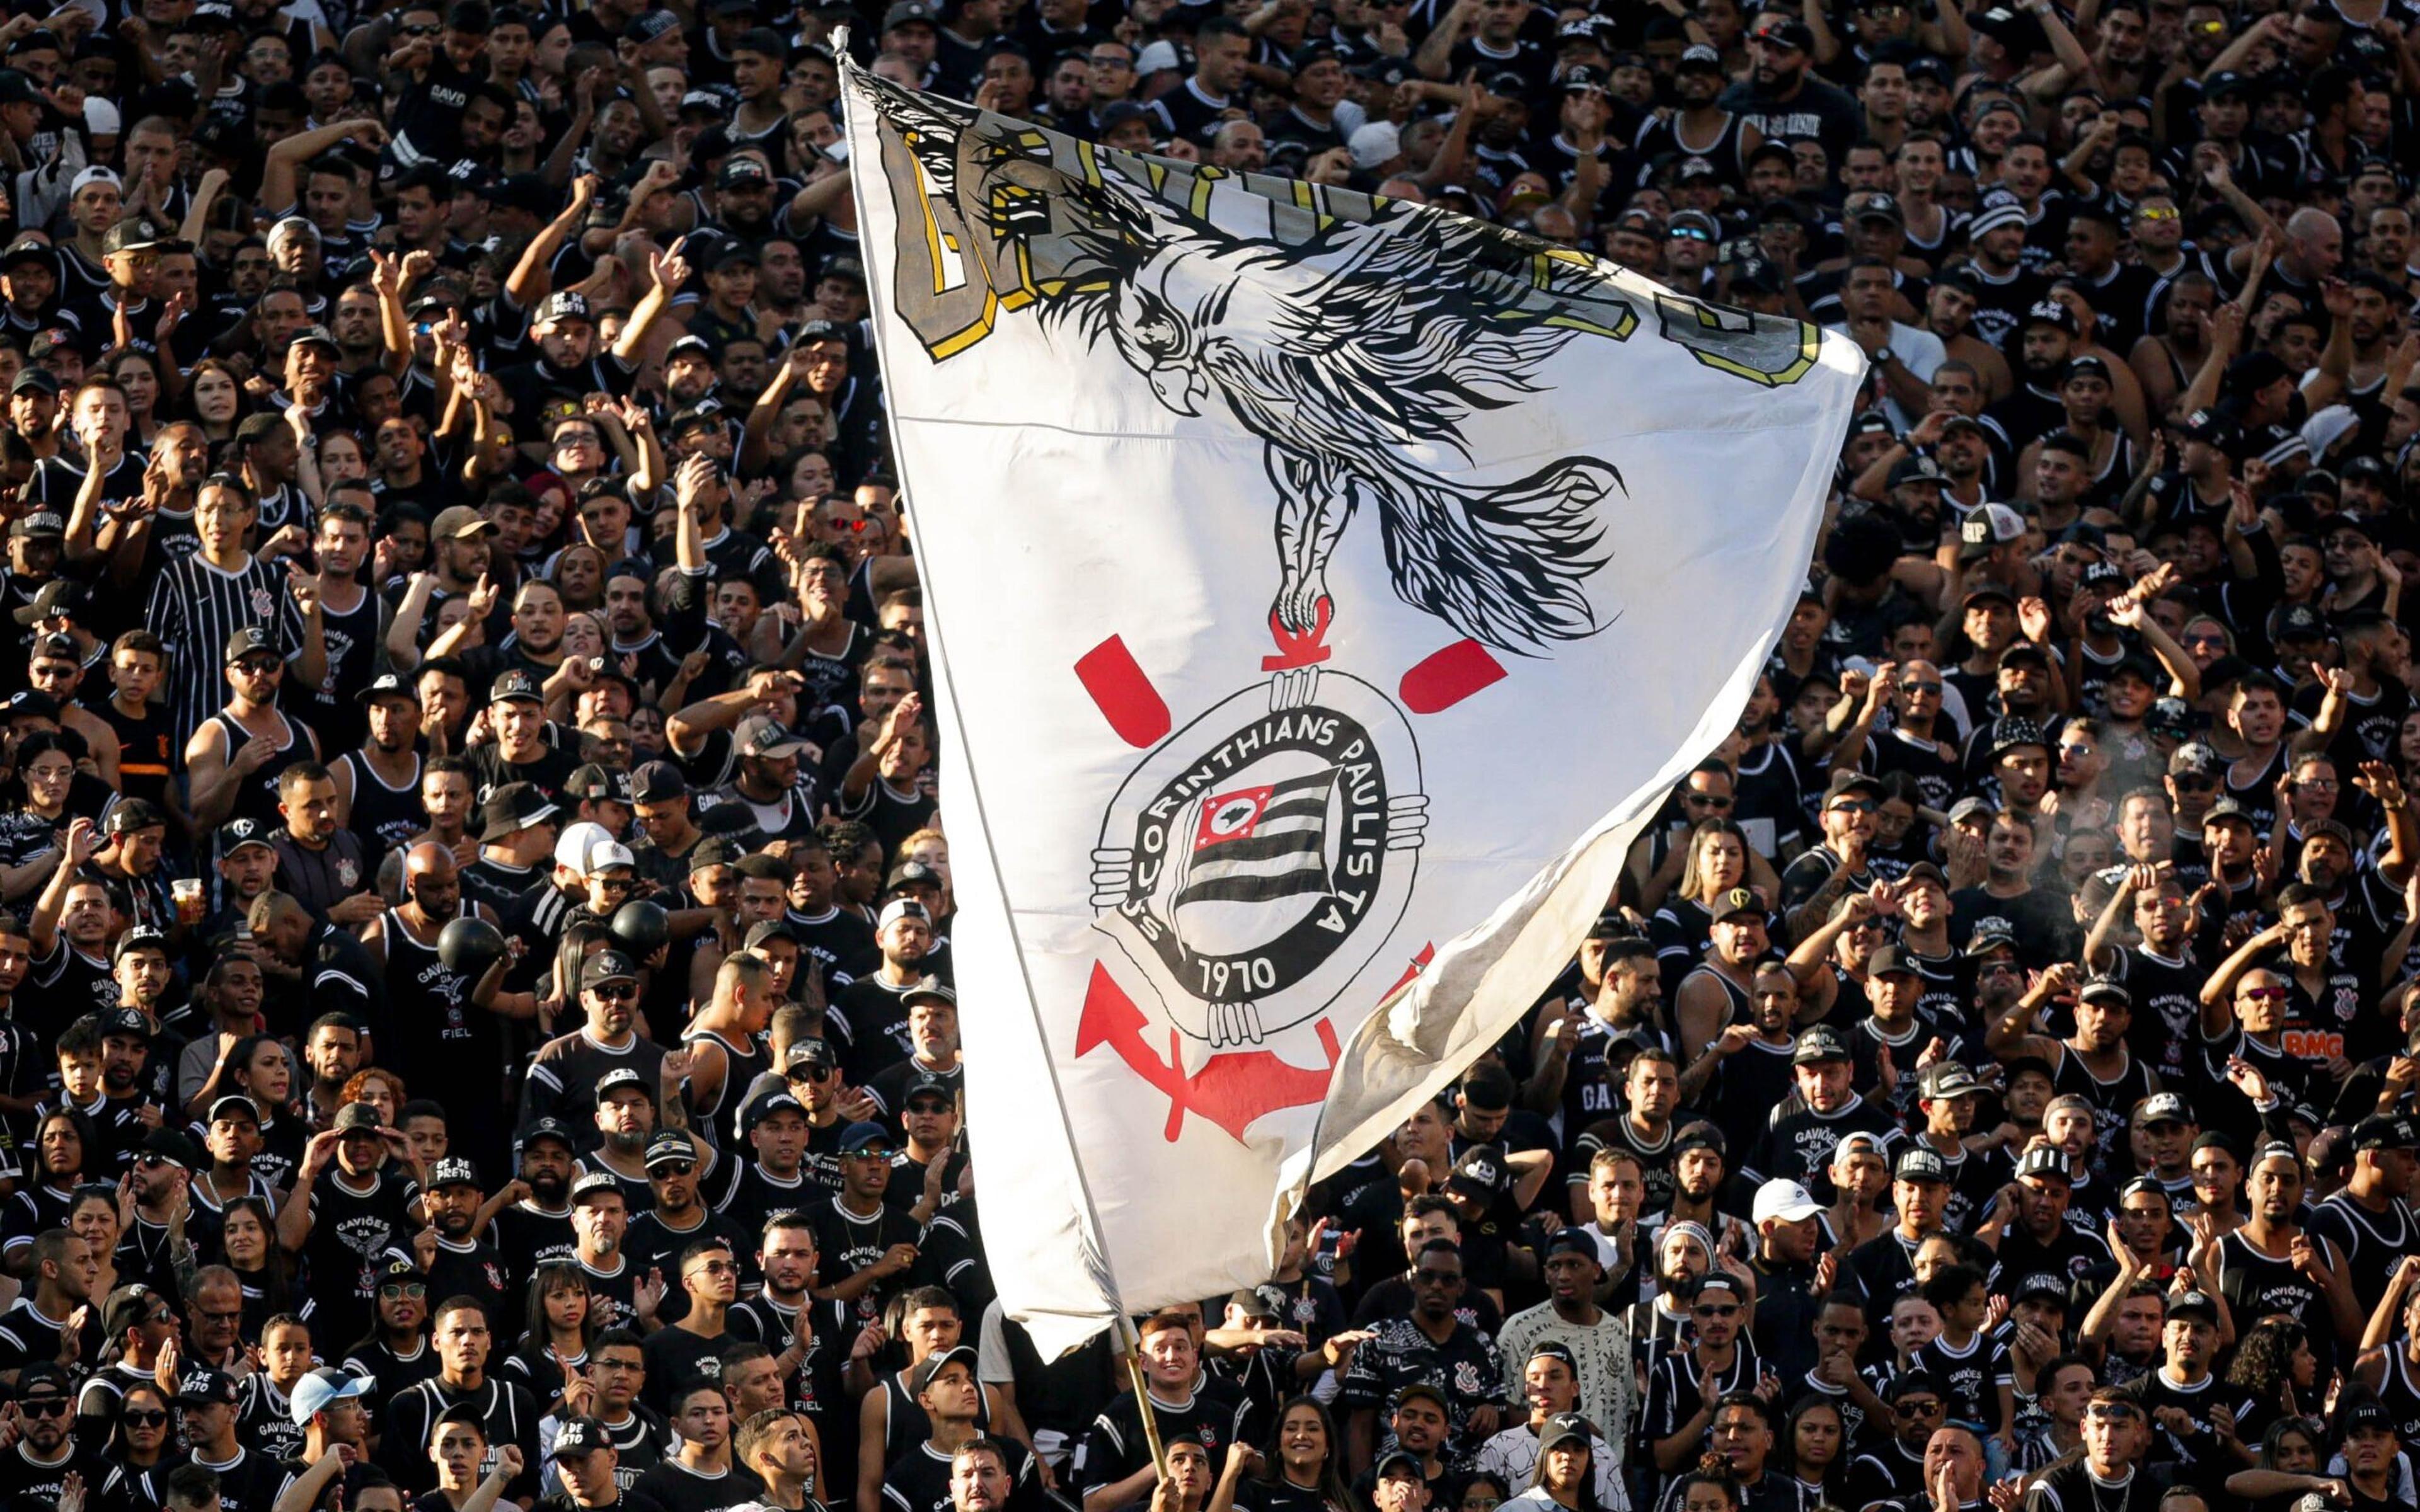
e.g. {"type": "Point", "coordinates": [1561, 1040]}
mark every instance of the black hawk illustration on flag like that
{"type": "Point", "coordinates": [1357, 352]}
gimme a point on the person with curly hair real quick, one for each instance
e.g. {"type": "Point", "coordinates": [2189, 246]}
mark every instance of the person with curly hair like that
{"type": "Point", "coordinates": [2273, 1377]}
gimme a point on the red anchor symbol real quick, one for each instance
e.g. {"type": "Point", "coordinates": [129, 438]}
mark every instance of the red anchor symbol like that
{"type": "Point", "coordinates": [1231, 1092]}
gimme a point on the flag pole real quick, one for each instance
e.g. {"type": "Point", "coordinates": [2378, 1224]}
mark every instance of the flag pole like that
{"type": "Point", "coordinates": [1132, 1342]}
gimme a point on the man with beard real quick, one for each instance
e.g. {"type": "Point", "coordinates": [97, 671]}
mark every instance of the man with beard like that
{"type": "Point", "coordinates": [1783, 99]}
{"type": "Point", "coordinates": [563, 329]}
{"type": "Point", "coordinates": [1716, 993]}
{"type": "Point", "coordinates": [874, 1008]}
{"type": "Point", "coordinates": [536, 1228]}
{"type": "Point", "coordinates": [378, 784]}
{"type": "Point", "coordinates": [348, 1205]}
{"type": "Point", "coordinates": [2161, 970]}
{"type": "Point", "coordinates": [675, 1218]}
{"type": "Point", "coordinates": [234, 759]}
{"type": "Point", "coordinates": [457, 1262]}
{"type": "Point", "coordinates": [324, 865]}
{"type": "Point", "coordinates": [452, 1034]}
{"type": "Point", "coordinates": [564, 1077]}
{"type": "Point", "coordinates": [1430, 1348]}
{"type": "Point", "coordinates": [811, 1347]}
{"type": "Point", "coordinates": [1650, 1093]}
{"type": "Point", "coordinates": [2047, 338]}
{"type": "Point", "coordinates": [63, 1269]}
{"type": "Point", "coordinates": [38, 1465]}
{"type": "Point", "coordinates": [768, 797]}
{"type": "Point", "coordinates": [600, 1220]}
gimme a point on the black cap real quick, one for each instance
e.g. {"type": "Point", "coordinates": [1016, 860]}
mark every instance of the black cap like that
{"type": "Point", "coordinates": [516, 687]}
{"type": "Point", "coordinates": [809, 1054]}
{"type": "Point", "coordinates": [250, 640]}
{"type": "Point", "coordinates": [454, 1170]}
{"type": "Point", "coordinates": [657, 782]}
{"type": "Point", "coordinates": [616, 1079]}
{"type": "Point", "coordinates": [511, 808]}
{"type": "Point", "coordinates": [670, 1147]}
{"type": "Point", "coordinates": [607, 966]}
{"type": "Point", "coordinates": [60, 599]}
{"type": "Point", "coordinates": [238, 833]}
{"type": "Point", "coordinates": [387, 685]}
{"type": "Point", "coordinates": [1817, 1045]}
{"type": "Point", "coordinates": [577, 1436]}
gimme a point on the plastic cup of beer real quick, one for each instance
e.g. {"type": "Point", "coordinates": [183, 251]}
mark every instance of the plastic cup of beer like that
{"type": "Point", "coordinates": [188, 893]}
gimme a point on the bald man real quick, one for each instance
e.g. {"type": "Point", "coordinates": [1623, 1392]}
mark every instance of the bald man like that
{"type": "Point", "coordinates": [449, 1023]}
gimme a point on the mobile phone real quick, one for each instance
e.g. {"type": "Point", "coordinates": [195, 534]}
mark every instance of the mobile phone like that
{"type": "Point", "coordinates": [838, 152]}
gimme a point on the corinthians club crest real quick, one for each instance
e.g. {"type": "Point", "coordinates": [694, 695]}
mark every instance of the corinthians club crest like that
{"type": "Point", "coordinates": [1255, 863]}
{"type": "Point", "coordinates": [1258, 859]}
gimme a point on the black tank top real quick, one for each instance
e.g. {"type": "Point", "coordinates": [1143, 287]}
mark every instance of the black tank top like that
{"type": "Point", "coordinates": [2257, 1286]}
{"type": "Point", "coordinates": [1740, 1003]}
{"type": "Point", "coordinates": [2113, 1102]}
{"type": "Point", "coordinates": [385, 818]}
{"type": "Point", "coordinates": [431, 1002]}
{"type": "Point", "coordinates": [352, 642]}
{"type": "Point", "coordinates": [256, 798]}
{"type": "Point", "coordinates": [2399, 1394]}
{"type": "Point", "coordinates": [748, 1060]}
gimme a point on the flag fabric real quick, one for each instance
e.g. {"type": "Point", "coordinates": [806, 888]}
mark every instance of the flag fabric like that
{"type": "Point", "coordinates": [1321, 590]}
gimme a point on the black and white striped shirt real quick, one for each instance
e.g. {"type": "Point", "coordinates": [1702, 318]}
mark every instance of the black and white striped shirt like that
{"type": "Point", "coordinates": [196, 608]}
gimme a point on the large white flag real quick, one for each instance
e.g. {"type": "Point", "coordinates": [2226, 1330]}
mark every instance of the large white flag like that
{"type": "Point", "coordinates": [1321, 590]}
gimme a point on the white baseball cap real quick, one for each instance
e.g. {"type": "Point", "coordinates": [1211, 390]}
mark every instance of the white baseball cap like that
{"type": "Point", "coordinates": [1786, 1200]}
{"type": "Point", "coordinates": [573, 847]}
{"type": "Point", "coordinates": [314, 1392]}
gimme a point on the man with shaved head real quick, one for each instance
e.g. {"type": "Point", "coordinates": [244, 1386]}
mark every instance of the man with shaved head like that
{"type": "Point", "coordinates": [446, 1030]}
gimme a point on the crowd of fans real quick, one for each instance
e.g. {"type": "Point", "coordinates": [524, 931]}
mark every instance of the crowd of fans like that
{"type": "Point", "coordinates": [476, 1013]}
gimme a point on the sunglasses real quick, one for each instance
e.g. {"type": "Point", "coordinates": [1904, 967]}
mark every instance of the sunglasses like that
{"type": "Point", "coordinates": [260, 665]}
{"type": "Point", "coordinates": [716, 1268]}
{"type": "Point", "coordinates": [2160, 212]}
{"type": "Point", "coordinates": [680, 1167]}
{"type": "Point", "coordinates": [1920, 687]}
{"type": "Point", "coordinates": [2111, 1412]}
{"type": "Point", "coordinates": [1852, 806]}
{"type": "Point", "coordinates": [2264, 995]}
{"type": "Point", "coordinates": [1705, 800]}
{"type": "Point", "coordinates": [614, 995]}
{"type": "Point", "coordinates": [43, 1406]}
{"type": "Point", "coordinates": [143, 1419]}
{"type": "Point", "coordinates": [420, 31]}
{"type": "Point", "coordinates": [2195, 785]}
{"type": "Point", "coordinates": [1920, 1409]}
{"type": "Point", "coordinates": [398, 1290]}
{"type": "Point", "coordinates": [1689, 233]}
{"type": "Point", "coordinates": [1731, 1311]}
{"type": "Point", "coordinates": [1438, 1278]}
